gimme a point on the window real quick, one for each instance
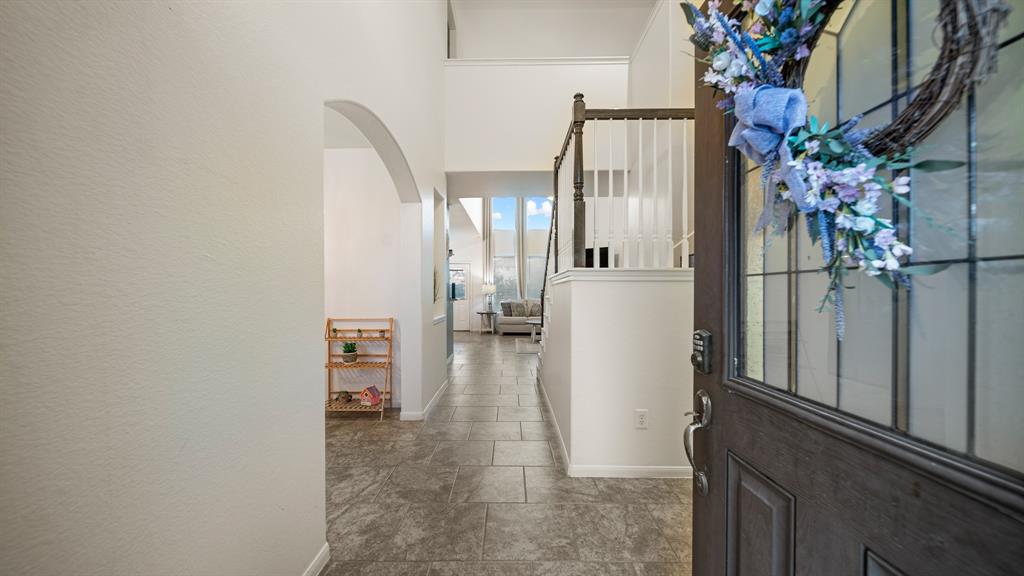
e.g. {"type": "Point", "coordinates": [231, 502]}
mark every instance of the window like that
{"type": "Point", "coordinates": [503, 239]}
{"type": "Point", "coordinates": [942, 361]}
{"type": "Point", "coordinates": [538, 223]}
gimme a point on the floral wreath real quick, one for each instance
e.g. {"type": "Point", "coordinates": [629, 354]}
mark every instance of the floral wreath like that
{"type": "Point", "coordinates": [835, 176]}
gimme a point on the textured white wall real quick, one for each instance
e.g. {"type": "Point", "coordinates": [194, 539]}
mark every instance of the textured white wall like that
{"type": "Point", "coordinates": [547, 28]}
{"type": "Point", "coordinates": [361, 243]}
{"type": "Point", "coordinates": [620, 340]}
{"type": "Point", "coordinates": [512, 115]}
{"type": "Point", "coordinates": [162, 271]}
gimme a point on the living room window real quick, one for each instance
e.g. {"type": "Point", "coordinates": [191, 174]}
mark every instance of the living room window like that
{"type": "Point", "coordinates": [537, 210]}
{"type": "Point", "coordinates": [504, 242]}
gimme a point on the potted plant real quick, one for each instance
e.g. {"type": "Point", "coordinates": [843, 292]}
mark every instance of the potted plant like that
{"type": "Point", "coordinates": [349, 353]}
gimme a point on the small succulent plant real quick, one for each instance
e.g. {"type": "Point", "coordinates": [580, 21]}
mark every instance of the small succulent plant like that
{"type": "Point", "coordinates": [348, 347]}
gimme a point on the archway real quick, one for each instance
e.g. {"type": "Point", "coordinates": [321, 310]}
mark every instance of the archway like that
{"type": "Point", "coordinates": [373, 238]}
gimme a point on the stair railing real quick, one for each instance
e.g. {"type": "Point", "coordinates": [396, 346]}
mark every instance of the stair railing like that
{"type": "Point", "coordinates": [629, 199]}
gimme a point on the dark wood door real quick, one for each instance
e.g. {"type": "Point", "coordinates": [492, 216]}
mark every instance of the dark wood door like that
{"type": "Point", "coordinates": [899, 450]}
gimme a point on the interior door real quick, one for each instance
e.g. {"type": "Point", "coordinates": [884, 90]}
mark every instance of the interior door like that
{"type": "Point", "coordinates": [460, 296]}
{"type": "Point", "coordinates": [900, 450]}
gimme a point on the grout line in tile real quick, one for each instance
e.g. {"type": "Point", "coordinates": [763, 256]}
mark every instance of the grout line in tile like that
{"type": "Point", "coordinates": [451, 492]}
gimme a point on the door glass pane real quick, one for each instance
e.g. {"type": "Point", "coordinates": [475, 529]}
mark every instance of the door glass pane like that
{"type": "Point", "coordinates": [940, 361]}
{"type": "Point", "coordinates": [999, 430]}
{"type": "Point", "coordinates": [865, 354]}
{"type": "Point", "coordinates": [1000, 148]}
{"type": "Point", "coordinates": [458, 280]}
{"type": "Point", "coordinates": [938, 357]}
{"type": "Point", "coordinates": [815, 341]}
{"type": "Point", "coordinates": [865, 57]}
{"type": "Point", "coordinates": [776, 330]}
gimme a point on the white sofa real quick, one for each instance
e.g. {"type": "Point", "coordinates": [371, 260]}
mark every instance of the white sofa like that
{"type": "Point", "coordinates": [513, 315]}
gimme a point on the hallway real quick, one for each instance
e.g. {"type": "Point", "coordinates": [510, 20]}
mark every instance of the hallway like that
{"type": "Point", "coordinates": [479, 489]}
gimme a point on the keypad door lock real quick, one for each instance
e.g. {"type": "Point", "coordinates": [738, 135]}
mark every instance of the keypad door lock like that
{"type": "Point", "coordinates": [701, 356]}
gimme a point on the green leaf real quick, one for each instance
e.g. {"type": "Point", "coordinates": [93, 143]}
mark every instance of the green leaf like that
{"type": "Point", "coordinates": [901, 200]}
{"type": "Point", "coordinates": [924, 269]}
{"type": "Point", "coordinates": [805, 9]}
{"type": "Point", "coordinates": [884, 279]}
{"type": "Point", "coordinates": [814, 124]}
{"type": "Point", "coordinates": [689, 10]}
{"type": "Point", "coordinates": [836, 146]}
{"type": "Point", "coordinates": [937, 165]}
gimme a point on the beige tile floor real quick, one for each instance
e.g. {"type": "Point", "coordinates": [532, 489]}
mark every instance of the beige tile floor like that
{"type": "Point", "coordinates": [480, 488]}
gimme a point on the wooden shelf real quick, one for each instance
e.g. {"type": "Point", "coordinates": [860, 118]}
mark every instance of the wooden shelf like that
{"type": "Point", "coordinates": [357, 365]}
{"type": "Point", "coordinates": [375, 353]}
{"type": "Point", "coordinates": [352, 405]}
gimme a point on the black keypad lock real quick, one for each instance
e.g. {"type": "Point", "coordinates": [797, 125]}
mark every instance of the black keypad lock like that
{"type": "Point", "coordinates": [701, 357]}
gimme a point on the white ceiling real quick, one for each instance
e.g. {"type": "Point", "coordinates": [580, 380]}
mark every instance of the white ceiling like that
{"type": "Point", "coordinates": [548, 28]}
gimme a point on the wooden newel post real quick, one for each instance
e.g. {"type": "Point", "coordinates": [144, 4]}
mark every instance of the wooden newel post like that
{"type": "Point", "coordinates": [579, 214]}
{"type": "Point", "coordinates": [554, 215]}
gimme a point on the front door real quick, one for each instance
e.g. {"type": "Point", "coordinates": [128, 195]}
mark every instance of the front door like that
{"type": "Point", "coordinates": [900, 450]}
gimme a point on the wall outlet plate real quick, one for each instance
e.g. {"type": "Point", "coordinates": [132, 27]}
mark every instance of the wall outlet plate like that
{"type": "Point", "coordinates": [640, 418]}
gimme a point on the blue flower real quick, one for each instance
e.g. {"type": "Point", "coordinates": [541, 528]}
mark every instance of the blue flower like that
{"type": "Point", "coordinates": [786, 16]}
{"type": "Point", "coordinates": [788, 36]}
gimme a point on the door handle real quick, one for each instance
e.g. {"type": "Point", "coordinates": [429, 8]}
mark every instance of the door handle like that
{"type": "Point", "coordinates": [701, 419]}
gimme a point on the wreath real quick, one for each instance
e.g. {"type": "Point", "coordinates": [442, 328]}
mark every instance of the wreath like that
{"type": "Point", "coordinates": [835, 175]}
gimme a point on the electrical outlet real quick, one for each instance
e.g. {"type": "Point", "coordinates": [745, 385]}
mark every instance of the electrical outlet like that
{"type": "Point", "coordinates": [640, 418]}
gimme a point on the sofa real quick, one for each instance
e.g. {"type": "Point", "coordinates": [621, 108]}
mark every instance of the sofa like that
{"type": "Point", "coordinates": [512, 316]}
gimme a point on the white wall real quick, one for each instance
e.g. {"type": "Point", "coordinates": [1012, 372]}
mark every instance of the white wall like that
{"type": "Point", "coordinates": [361, 243]}
{"type": "Point", "coordinates": [162, 207]}
{"type": "Point", "coordinates": [513, 115]}
{"type": "Point", "coordinates": [547, 28]}
{"type": "Point", "coordinates": [661, 71]}
{"type": "Point", "coordinates": [467, 243]}
{"type": "Point", "coordinates": [661, 74]}
{"type": "Point", "coordinates": [599, 367]}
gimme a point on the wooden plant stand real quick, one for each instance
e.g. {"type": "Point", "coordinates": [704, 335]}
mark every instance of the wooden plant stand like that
{"type": "Point", "coordinates": [373, 337]}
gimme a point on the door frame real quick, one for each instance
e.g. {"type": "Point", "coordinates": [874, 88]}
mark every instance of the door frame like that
{"type": "Point", "coordinates": [716, 309]}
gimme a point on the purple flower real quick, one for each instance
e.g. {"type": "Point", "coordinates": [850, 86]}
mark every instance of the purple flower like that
{"type": "Point", "coordinates": [788, 36]}
{"type": "Point", "coordinates": [847, 193]}
{"type": "Point", "coordinates": [885, 237]}
{"type": "Point", "coordinates": [812, 146]}
{"type": "Point", "coordinates": [830, 204]}
{"type": "Point", "coordinates": [757, 28]}
{"type": "Point", "coordinates": [844, 221]}
{"type": "Point", "coordinates": [901, 249]}
{"type": "Point", "coordinates": [872, 190]}
{"type": "Point", "coordinates": [866, 207]}
{"type": "Point", "coordinates": [863, 224]}
{"type": "Point", "coordinates": [786, 16]}
{"type": "Point", "coordinates": [901, 185]}
{"type": "Point", "coordinates": [802, 52]}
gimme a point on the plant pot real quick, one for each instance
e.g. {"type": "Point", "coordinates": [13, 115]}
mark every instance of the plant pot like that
{"type": "Point", "coordinates": [349, 357]}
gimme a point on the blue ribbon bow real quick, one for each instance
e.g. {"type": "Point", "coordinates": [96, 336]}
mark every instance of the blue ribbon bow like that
{"type": "Point", "coordinates": [766, 117]}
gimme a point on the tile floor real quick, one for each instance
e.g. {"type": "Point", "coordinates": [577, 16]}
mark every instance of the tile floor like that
{"type": "Point", "coordinates": [480, 488]}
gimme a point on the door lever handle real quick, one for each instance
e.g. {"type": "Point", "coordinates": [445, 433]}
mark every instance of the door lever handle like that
{"type": "Point", "coordinates": [701, 419]}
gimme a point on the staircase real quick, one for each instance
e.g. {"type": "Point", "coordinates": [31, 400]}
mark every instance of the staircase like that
{"type": "Point", "coordinates": [617, 293]}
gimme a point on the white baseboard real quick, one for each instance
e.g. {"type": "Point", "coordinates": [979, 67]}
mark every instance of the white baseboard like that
{"type": "Point", "coordinates": [319, 561]}
{"type": "Point", "coordinates": [411, 415]}
{"type": "Point", "coordinates": [561, 440]}
{"type": "Point", "coordinates": [598, 471]}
